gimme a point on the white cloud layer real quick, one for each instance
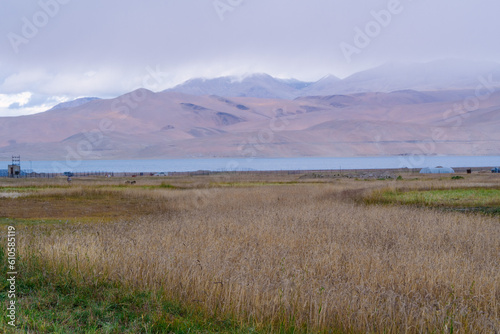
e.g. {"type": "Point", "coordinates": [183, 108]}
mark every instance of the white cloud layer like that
{"type": "Point", "coordinates": [26, 103]}
{"type": "Point", "coordinates": [21, 99]}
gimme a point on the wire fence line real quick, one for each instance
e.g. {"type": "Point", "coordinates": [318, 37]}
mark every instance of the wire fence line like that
{"type": "Point", "coordinates": [339, 172]}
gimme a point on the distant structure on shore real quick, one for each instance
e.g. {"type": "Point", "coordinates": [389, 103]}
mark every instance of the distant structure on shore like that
{"type": "Point", "coordinates": [437, 170]}
{"type": "Point", "coordinates": [15, 168]}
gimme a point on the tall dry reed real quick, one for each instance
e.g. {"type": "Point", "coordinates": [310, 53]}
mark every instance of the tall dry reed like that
{"type": "Point", "coordinates": [294, 256]}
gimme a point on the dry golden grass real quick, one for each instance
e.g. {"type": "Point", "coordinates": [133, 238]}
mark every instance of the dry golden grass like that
{"type": "Point", "coordinates": [296, 255]}
{"type": "Point", "coordinates": [79, 202]}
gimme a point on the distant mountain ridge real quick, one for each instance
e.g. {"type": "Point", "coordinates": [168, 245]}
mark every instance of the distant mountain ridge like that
{"type": "Point", "coordinates": [256, 85]}
{"type": "Point", "coordinates": [436, 75]}
{"type": "Point", "coordinates": [74, 103]}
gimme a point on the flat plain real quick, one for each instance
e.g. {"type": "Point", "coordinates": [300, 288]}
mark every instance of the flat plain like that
{"type": "Point", "coordinates": [255, 253]}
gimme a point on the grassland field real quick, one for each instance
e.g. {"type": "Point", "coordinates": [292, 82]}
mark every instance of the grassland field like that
{"type": "Point", "coordinates": [254, 253]}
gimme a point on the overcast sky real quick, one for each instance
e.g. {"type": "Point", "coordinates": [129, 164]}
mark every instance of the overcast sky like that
{"type": "Point", "coordinates": [56, 50]}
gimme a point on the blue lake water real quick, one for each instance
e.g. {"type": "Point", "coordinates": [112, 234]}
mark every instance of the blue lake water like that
{"type": "Point", "coordinates": [258, 164]}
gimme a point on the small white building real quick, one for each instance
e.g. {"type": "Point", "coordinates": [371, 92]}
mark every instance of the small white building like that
{"type": "Point", "coordinates": [437, 170]}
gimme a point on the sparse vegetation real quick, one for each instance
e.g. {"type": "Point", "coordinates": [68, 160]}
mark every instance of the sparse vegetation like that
{"type": "Point", "coordinates": [168, 186]}
{"type": "Point", "coordinates": [221, 254]}
{"type": "Point", "coordinates": [486, 200]}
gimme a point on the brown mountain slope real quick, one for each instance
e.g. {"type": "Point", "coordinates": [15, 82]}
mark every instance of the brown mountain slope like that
{"type": "Point", "coordinates": [143, 124]}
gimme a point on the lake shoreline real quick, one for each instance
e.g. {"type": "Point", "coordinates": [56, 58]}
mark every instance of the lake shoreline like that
{"type": "Point", "coordinates": [257, 164]}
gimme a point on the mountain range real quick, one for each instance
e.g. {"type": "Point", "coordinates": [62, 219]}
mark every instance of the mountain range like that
{"type": "Point", "coordinates": [75, 103]}
{"type": "Point", "coordinates": [445, 111]}
{"type": "Point", "coordinates": [438, 75]}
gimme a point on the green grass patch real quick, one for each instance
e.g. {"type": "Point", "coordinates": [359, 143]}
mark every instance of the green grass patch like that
{"type": "Point", "coordinates": [164, 185]}
{"type": "Point", "coordinates": [16, 222]}
{"type": "Point", "coordinates": [483, 200]}
{"type": "Point", "coordinates": [454, 197]}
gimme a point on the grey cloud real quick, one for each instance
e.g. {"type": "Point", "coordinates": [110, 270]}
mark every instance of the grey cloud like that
{"type": "Point", "coordinates": [286, 38]}
{"type": "Point", "coordinates": [38, 100]}
{"type": "Point", "coordinates": [15, 105]}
